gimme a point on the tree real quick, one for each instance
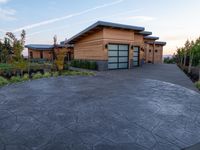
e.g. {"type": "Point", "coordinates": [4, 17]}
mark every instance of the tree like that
{"type": "Point", "coordinates": [186, 50]}
{"type": "Point", "coordinates": [17, 45]}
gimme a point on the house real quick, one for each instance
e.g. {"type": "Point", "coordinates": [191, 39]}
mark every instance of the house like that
{"type": "Point", "coordinates": [46, 52]}
{"type": "Point", "coordinates": [116, 46]}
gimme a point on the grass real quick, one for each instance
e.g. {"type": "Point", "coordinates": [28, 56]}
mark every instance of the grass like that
{"type": "Point", "coordinates": [74, 73]}
{"type": "Point", "coordinates": [38, 75]}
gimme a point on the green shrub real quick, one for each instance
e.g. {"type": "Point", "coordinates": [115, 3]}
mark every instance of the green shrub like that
{"type": "Point", "coordinates": [25, 77]}
{"type": "Point", "coordinates": [197, 84]}
{"type": "Point", "coordinates": [55, 74]}
{"type": "Point", "coordinates": [15, 79]}
{"type": "Point", "coordinates": [3, 81]}
{"type": "Point", "coordinates": [84, 64]}
{"type": "Point", "coordinates": [38, 75]}
{"type": "Point", "coordinates": [47, 75]}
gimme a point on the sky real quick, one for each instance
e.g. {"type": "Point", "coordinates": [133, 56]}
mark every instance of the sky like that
{"type": "Point", "coordinates": [174, 21]}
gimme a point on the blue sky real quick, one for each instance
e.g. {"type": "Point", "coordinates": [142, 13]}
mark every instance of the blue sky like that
{"type": "Point", "coordinates": [174, 21]}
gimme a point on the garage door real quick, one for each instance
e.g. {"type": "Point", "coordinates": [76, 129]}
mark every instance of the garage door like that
{"type": "Point", "coordinates": [118, 56]}
{"type": "Point", "coordinates": [136, 54]}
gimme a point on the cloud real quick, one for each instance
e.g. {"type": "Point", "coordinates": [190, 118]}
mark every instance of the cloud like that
{"type": "Point", "coordinates": [139, 18]}
{"type": "Point", "coordinates": [7, 14]}
{"type": "Point", "coordinates": [87, 21]}
{"type": "Point", "coordinates": [66, 17]}
{"type": "Point", "coordinates": [3, 1]}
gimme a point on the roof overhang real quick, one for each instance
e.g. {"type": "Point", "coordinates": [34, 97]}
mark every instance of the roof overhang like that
{"type": "Point", "coordinates": [157, 43]}
{"type": "Point", "coordinates": [145, 33]}
{"type": "Point", "coordinates": [160, 43]}
{"type": "Point", "coordinates": [98, 26]}
{"type": "Point", "coordinates": [39, 47]}
{"type": "Point", "coordinates": [151, 37]}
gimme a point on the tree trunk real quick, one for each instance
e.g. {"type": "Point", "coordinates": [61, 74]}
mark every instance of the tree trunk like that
{"type": "Point", "coordinates": [199, 73]}
{"type": "Point", "coordinates": [185, 56]}
{"type": "Point", "coordinates": [190, 62]}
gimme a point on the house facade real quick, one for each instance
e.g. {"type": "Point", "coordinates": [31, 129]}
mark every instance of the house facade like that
{"type": "Point", "coordinates": [116, 46]}
{"type": "Point", "coordinates": [110, 45]}
{"type": "Point", "coordinates": [46, 52]}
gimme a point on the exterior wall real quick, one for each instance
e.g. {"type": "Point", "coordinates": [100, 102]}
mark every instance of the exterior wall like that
{"type": "Point", "coordinates": [90, 47]}
{"type": "Point", "coordinates": [153, 56]}
{"type": "Point", "coordinates": [36, 54]}
{"type": "Point", "coordinates": [47, 54]}
{"type": "Point", "coordinates": [158, 58]}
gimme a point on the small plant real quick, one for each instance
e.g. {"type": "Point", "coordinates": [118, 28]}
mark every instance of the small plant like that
{"type": "Point", "coordinates": [25, 77]}
{"type": "Point", "coordinates": [55, 74]}
{"type": "Point", "coordinates": [3, 81]}
{"type": "Point", "coordinates": [197, 84]}
{"type": "Point", "coordinates": [15, 79]}
{"type": "Point", "coordinates": [38, 75]}
{"type": "Point", "coordinates": [47, 75]}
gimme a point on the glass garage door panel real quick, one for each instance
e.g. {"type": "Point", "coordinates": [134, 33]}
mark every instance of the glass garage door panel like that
{"type": "Point", "coordinates": [113, 47]}
{"type": "Point", "coordinates": [113, 66]}
{"type": "Point", "coordinates": [113, 60]}
{"type": "Point", "coordinates": [123, 47]}
{"type": "Point", "coordinates": [123, 59]}
{"type": "Point", "coordinates": [123, 53]}
{"type": "Point", "coordinates": [113, 53]}
{"type": "Point", "coordinates": [123, 65]}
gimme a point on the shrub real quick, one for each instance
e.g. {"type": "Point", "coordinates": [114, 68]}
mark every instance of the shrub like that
{"type": "Point", "coordinates": [3, 81]}
{"type": "Point", "coordinates": [38, 75]}
{"type": "Point", "coordinates": [47, 75]}
{"type": "Point", "coordinates": [15, 79]}
{"type": "Point", "coordinates": [25, 77]}
{"type": "Point", "coordinates": [84, 64]}
{"type": "Point", "coordinates": [197, 84]}
{"type": "Point", "coordinates": [55, 74]}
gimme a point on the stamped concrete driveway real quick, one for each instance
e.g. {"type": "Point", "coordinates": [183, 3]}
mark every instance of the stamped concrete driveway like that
{"type": "Point", "coordinates": [147, 108]}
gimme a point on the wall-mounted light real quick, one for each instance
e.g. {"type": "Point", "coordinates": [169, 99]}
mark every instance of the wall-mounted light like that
{"type": "Point", "coordinates": [106, 46]}
{"type": "Point", "coordinates": [132, 46]}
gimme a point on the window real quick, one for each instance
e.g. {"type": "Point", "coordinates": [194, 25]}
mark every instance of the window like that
{"type": "Point", "coordinates": [150, 51]}
{"type": "Point", "coordinates": [31, 55]}
{"type": "Point", "coordinates": [41, 54]}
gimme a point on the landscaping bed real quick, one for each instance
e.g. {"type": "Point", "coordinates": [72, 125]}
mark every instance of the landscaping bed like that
{"type": "Point", "coordinates": [38, 75]}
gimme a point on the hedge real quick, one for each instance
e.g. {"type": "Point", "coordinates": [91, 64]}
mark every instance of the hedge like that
{"type": "Point", "coordinates": [84, 64]}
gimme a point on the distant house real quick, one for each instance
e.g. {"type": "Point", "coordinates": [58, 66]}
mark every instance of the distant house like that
{"type": "Point", "coordinates": [110, 45]}
{"type": "Point", "coordinates": [116, 46]}
{"type": "Point", "coordinates": [41, 51]}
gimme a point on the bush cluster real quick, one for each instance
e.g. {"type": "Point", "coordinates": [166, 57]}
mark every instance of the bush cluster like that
{"type": "Point", "coordinates": [84, 64]}
{"type": "Point", "coordinates": [197, 84]}
{"type": "Point", "coordinates": [38, 75]}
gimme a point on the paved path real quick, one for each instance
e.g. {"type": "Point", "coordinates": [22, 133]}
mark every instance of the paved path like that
{"type": "Point", "coordinates": [115, 110]}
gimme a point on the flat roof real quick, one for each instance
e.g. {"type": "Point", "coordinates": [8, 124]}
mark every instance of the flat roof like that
{"type": "Point", "coordinates": [40, 46]}
{"type": "Point", "coordinates": [104, 24]}
{"type": "Point", "coordinates": [151, 37]}
{"type": "Point", "coordinates": [157, 43]}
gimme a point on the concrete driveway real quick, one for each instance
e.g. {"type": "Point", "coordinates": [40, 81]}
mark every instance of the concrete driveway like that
{"type": "Point", "coordinates": [154, 107]}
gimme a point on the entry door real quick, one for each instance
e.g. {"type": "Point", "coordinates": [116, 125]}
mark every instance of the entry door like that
{"type": "Point", "coordinates": [136, 54]}
{"type": "Point", "coordinates": [118, 56]}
